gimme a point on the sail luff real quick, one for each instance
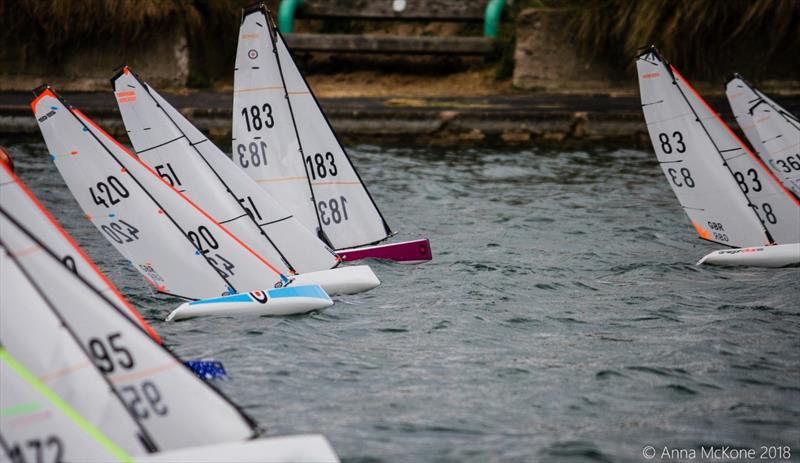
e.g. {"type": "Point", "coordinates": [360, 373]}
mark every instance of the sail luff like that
{"type": "Point", "coordinates": [388, 230]}
{"type": "Point", "coordinates": [148, 364]}
{"type": "Point", "coordinates": [272, 37]}
{"type": "Point", "coordinates": [697, 96]}
{"type": "Point", "coordinates": [118, 297]}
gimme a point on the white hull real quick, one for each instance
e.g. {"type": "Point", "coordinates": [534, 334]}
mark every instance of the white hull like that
{"type": "Point", "coordinates": [781, 255]}
{"type": "Point", "coordinates": [291, 300]}
{"type": "Point", "coordinates": [341, 280]}
{"type": "Point", "coordinates": [312, 448]}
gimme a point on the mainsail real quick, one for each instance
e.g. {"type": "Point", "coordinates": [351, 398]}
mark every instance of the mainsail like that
{"type": "Point", "coordinates": [773, 132]}
{"type": "Point", "coordinates": [34, 334]}
{"type": "Point", "coordinates": [775, 206]}
{"type": "Point", "coordinates": [303, 165]}
{"type": "Point", "coordinates": [20, 203]}
{"type": "Point", "coordinates": [182, 155]}
{"type": "Point", "coordinates": [177, 247]}
{"type": "Point", "coordinates": [176, 408]}
{"type": "Point", "coordinates": [60, 433]}
{"type": "Point", "coordinates": [693, 164]}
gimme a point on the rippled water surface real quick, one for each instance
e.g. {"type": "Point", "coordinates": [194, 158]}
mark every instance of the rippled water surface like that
{"type": "Point", "coordinates": [562, 319]}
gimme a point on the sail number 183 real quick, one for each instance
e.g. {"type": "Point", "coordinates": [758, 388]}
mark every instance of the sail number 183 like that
{"type": "Point", "coordinates": [333, 211]}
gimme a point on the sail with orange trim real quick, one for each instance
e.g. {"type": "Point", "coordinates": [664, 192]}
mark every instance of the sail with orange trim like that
{"type": "Point", "coordinates": [178, 248]}
{"type": "Point", "coordinates": [35, 335]}
{"type": "Point", "coordinates": [777, 209]}
{"type": "Point", "coordinates": [304, 165]}
{"type": "Point", "coordinates": [20, 203]}
{"type": "Point", "coordinates": [773, 132]}
{"type": "Point", "coordinates": [693, 164]}
{"type": "Point", "coordinates": [174, 408]}
{"type": "Point", "coordinates": [166, 141]}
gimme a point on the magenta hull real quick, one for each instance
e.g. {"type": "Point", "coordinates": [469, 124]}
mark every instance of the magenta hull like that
{"type": "Point", "coordinates": [407, 252]}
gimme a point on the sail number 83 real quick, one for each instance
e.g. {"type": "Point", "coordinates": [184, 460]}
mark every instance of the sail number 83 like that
{"type": "Point", "coordinates": [666, 143]}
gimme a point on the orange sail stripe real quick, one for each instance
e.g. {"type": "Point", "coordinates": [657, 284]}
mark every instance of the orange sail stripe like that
{"type": "Point", "coordinates": [735, 137]}
{"type": "Point", "coordinates": [83, 255]}
{"type": "Point", "coordinates": [197, 208]}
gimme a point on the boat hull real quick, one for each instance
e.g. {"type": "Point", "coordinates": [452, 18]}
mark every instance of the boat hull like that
{"type": "Point", "coordinates": [310, 448]}
{"type": "Point", "coordinates": [342, 280]}
{"type": "Point", "coordinates": [782, 255]}
{"type": "Point", "coordinates": [407, 252]}
{"type": "Point", "coordinates": [291, 300]}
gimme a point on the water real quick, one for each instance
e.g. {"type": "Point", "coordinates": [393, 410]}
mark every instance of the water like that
{"type": "Point", "coordinates": [562, 319]}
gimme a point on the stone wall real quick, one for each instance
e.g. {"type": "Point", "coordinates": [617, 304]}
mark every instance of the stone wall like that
{"type": "Point", "coordinates": [163, 61]}
{"type": "Point", "coordinates": [547, 59]}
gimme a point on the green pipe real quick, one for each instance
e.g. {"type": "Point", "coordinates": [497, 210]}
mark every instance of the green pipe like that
{"type": "Point", "coordinates": [491, 20]}
{"type": "Point", "coordinates": [286, 14]}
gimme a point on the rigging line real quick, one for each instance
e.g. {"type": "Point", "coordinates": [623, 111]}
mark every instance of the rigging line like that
{"type": "Point", "coordinates": [59, 403]}
{"type": "Point", "coordinates": [148, 442]}
{"type": "Point", "coordinates": [216, 174]}
{"type": "Point", "coordinates": [149, 195]}
{"type": "Point", "coordinates": [250, 422]}
{"type": "Point", "coordinates": [159, 146]}
{"type": "Point", "coordinates": [68, 238]}
{"type": "Point", "coordinates": [652, 103]}
{"type": "Point", "coordinates": [674, 71]}
{"type": "Point", "coordinates": [737, 140]}
{"type": "Point", "coordinates": [273, 40]}
{"type": "Point", "coordinates": [386, 227]}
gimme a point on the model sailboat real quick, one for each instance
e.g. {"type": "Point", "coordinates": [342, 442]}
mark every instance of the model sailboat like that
{"type": "Point", "coordinates": [773, 132]}
{"type": "Point", "coordinates": [179, 249]}
{"type": "Point", "coordinates": [169, 144]}
{"type": "Point", "coordinates": [283, 140]}
{"type": "Point", "coordinates": [84, 382]}
{"type": "Point", "coordinates": [729, 195]}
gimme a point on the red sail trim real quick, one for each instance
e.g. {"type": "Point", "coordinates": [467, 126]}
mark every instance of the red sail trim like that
{"type": "Point", "coordinates": [735, 137]}
{"type": "Point", "coordinates": [197, 208]}
{"type": "Point", "coordinates": [84, 256]}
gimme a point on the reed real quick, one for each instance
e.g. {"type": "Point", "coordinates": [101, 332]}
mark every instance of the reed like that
{"type": "Point", "coordinates": [700, 36]}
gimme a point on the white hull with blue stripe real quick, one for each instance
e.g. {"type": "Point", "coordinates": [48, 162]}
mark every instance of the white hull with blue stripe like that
{"type": "Point", "coordinates": [781, 255]}
{"type": "Point", "coordinates": [290, 300]}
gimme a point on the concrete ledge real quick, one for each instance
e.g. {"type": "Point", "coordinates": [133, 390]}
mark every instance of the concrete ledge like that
{"type": "Point", "coordinates": [506, 119]}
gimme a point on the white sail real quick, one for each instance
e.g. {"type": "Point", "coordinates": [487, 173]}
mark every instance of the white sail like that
{"type": "Point", "coordinates": [777, 209]}
{"type": "Point", "coordinates": [265, 143]}
{"type": "Point", "coordinates": [773, 132]}
{"type": "Point", "coordinates": [173, 147]}
{"type": "Point", "coordinates": [20, 203]}
{"type": "Point", "coordinates": [176, 408]}
{"type": "Point", "coordinates": [342, 205]}
{"type": "Point", "coordinates": [34, 334]}
{"type": "Point", "coordinates": [59, 434]}
{"type": "Point", "coordinates": [177, 247]}
{"type": "Point", "coordinates": [694, 168]}
{"type": "Point", "coordinates": [312, 448]}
